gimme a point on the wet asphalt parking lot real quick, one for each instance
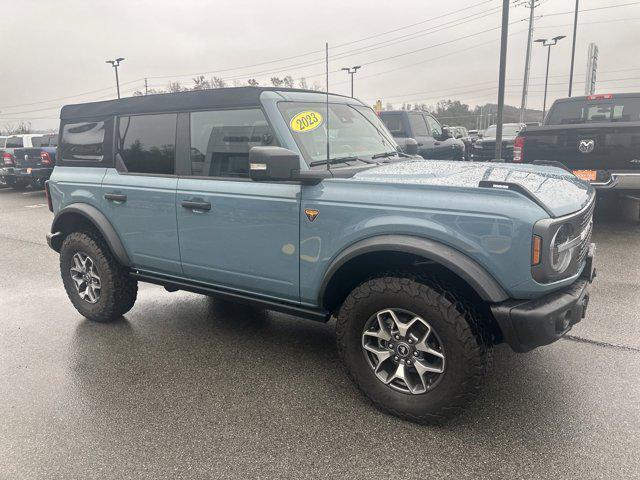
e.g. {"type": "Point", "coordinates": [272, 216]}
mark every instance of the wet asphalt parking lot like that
{"type": "Point", "coordinates": [187, 387]}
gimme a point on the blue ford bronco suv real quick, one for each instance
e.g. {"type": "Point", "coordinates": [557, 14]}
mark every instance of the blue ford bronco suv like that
{"type": "Point", "coordinates": [301, 202]}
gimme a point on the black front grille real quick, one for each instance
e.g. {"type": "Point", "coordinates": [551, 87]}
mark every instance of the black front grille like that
{"type": "Point", "coordinates": [585, 222]}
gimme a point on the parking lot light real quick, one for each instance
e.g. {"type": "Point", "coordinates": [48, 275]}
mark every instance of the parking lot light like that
{"type": "Point", "coordinates": [547, 43]}
{"type": "Point", "coordinates": [115, 64]}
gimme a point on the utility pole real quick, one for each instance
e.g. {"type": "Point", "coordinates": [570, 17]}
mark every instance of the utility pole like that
{"type": "Point", "coordinates": [531, 4]}
{"type": "Point", "coordinates": [548, 44]}
{"type": "Point", "coordinates": [115, 64]}
{"type": "Point", "coordinates": [351, 71]}
{"type": "Point", "coordinates": [146, 87]}
{"type": "Point", "coordinates": [501, 76]}
{"type": "Point", "coordinates": [573, 47]}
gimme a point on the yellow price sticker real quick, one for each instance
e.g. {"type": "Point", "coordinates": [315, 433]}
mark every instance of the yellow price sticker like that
{"type": "Point", "coordinates": [306, 121]}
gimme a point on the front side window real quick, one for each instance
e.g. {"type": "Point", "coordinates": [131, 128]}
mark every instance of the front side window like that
{"type": "Point", "coordinates": [434, 126]}
{"type": "Point", "coordinates": [351, 132]}
{"type": "Point", "coordinates": [14, 142]}
{"type": "Point", "coordinates": [221, 140]}
{"type": "Point", "coordinates": [82, 141]}
{"type": "Point", "coordinates": [147, 143]}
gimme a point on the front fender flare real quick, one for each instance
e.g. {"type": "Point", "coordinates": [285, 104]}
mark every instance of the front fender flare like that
{"type": "Point", "coordinates": [98, 219]}
{"type": "Point", "coordinates": [485, 285]}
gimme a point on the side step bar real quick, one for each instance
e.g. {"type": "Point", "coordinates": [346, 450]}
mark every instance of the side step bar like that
{"type": "Point", "coordinates": [170, 283]}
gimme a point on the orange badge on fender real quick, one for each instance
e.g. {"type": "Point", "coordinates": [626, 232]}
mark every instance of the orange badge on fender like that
{"type": "Point", "coordinates": [311, 214]}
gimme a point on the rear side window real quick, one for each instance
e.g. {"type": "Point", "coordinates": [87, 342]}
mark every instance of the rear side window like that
{"type": "Point", "coordinates": [394, 124]}
{"type": "Point", "coordinates": [625, 109]}
{"type": "Point", "coordinates": [14, 142]}
{"type": "Point", "coordinates": [220, 141]}
{"type": "Point", "coordinates": [146, 144]}
{"type": "Point", "coordinates": [46, 141]}
{"type": "Point", "coordinates": [417, 125]}
{"type": "Point", "coordinates": [82, 141]}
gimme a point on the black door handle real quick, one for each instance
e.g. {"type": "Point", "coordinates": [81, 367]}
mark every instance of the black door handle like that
{"type": "Point", "coordinates": [115, 197]}
{"type": "Point", "coordinates": [436, 143]}
{"type": "Point", "coordinates": [193, 205]}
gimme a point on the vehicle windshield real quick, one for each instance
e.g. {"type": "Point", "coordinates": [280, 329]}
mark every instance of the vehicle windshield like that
{"type": "Point", "coordinates": [581, 111]}
{"type": "Point", "coordinates": [355, 132]}
{"type": "Point", "coordinates": [508, 130]}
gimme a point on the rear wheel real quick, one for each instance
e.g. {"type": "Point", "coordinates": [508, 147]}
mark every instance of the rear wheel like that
{"type": "Point", "coordinates": [17, 184]}
{"type": "Point", "coordinates": [411, 348]}
{"type": "Point", "coordinates": [97, 285]}
{"type": "Point", "coordinates": [38, 183]}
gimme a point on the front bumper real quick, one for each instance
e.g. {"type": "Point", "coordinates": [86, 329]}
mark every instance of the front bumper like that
{"type": "Point", "coordinates": [527, 324]}
{"type": "Point", "coordinates": [620, 181]}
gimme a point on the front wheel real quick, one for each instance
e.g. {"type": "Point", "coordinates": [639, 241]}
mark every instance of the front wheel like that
{"type": "Point", "coordinates": [97, 285]}
{"type": "Point", "coordinates": [413, 349]}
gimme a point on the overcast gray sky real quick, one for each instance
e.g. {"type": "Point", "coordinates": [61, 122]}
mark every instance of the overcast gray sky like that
{"type": "Point", "coordinates": [54, 49]}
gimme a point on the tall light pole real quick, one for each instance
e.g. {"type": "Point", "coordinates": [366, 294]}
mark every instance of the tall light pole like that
{"type": "Point", "coordinates": [530, 4]}
{"type": "Point", "coordinates": [548, 44]}
{"type": "Point", "coordinates": [351, 71]}
{"type": "Point", "coordinates": [501, 76]}
{"type": "Point", "coordinates": [573, 46]}
{"type": "Point", "coordinates": [115, 64]}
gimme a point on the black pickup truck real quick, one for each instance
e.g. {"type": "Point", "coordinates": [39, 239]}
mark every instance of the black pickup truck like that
{"type": "Point", "coordinates": [597, 137]}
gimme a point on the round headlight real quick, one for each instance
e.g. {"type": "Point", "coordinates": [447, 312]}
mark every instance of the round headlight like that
{"type": "Point", "coordinates": [560, 254]}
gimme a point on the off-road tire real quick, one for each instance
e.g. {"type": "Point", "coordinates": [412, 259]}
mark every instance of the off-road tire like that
{"type": "Point", "coordinates": [118, 291]}
{"type": "Point", "coordinates": [17, 184]}
{"type": "Point", "coordinates": [466, 345]}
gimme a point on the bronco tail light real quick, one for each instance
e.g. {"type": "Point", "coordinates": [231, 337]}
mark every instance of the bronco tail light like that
{"type": "Point", "coordinates": [45, 158]}
{"type": "Point", "coordinates": [7, 159]}
{"type": "Point", "coordinates": [47, 194]}
{"type": "Point", "coordinates": [600, 96]}
{"type": "Point", "coordinates": [518, 149]}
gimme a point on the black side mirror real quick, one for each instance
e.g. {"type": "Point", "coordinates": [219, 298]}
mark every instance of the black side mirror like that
{"type": "Point", "coordinates": [273, 163]}
{"type": "Point", "coordinates": [411, 146]}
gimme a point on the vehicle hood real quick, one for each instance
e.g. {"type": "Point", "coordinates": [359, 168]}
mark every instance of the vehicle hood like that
{"type": "Point", "coordinates": [559, 192]}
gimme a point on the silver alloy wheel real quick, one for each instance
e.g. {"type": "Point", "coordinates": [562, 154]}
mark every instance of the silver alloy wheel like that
{"type": "Point", "coordinates": [403, 350]}
{"type": "Point", "coordinates": [85, 278]}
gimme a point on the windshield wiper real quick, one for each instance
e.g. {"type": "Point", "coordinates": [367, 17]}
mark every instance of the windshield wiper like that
{"type": "Point", "coordinates": [331, 161]}
{"type": "Point", "coordinates": [384, 155]}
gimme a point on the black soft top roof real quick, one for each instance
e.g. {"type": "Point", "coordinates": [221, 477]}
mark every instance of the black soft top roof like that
{"type": "Point", "coordinates": [236, 97]}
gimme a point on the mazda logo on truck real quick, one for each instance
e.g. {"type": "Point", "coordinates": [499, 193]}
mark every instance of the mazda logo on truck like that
{"type": "Point", "coordinates": [586, 145]}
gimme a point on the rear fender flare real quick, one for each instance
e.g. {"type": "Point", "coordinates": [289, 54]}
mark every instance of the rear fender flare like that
{"type": "Point", "coordinates": [99, 221]}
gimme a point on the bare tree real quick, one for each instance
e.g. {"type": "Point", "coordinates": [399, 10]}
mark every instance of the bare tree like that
{"type": "Point", "coordinates": [237, 83]}
{"type": "Point", "coordinates": [317, 87]}
{"type": "Point", "coordinates": [174, 87]}
{"type": "Point", "coordinates": [20, 128]}
{"type": "Point", "coordinates": [217, 82]}
{"type": "Point", "coordinates": [252, 82]}
{"type": "Point", "coordinates": [288, 81]}
{"type": "Point", "coordinates": [302, 83]}
{"type": "Point", "coordinates": [201, 83]}
{"type": "Point", "coordinates": [276, 81]}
